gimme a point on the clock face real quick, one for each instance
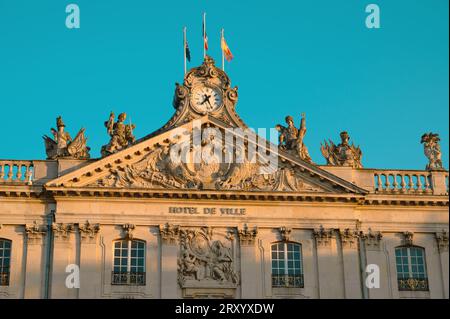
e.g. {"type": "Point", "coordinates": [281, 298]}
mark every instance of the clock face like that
{"type": "Point", "coordinates": [206, 99]}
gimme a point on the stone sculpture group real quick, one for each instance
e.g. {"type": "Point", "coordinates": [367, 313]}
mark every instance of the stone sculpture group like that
{"type": "Point", "coordinates": [291, 141]}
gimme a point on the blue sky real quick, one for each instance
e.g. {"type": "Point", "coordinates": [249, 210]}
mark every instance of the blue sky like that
{"type": "Point", "coordinates": [384, 86]}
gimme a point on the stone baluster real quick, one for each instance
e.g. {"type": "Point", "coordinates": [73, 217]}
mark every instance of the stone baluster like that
{"type": "Point", "coordinates": [411, 183]}
{"type": "Point", "coordinates": [9, 178]}
{"type": "Point", "coordinates": [380, 183]}
{"type": "Point", "coordinates": [402, 183]}
{"type": "Point", "coordinates": [27, 172]}
{"type": "Point", "coordinates": [18, 176]}
{"type": "Point", "coordinates": [395, 183]}
{"type": "Point", "coordinates": [419, 184]}
{"type": "Point", "coordinates": [388, 183]}
{"type": "Point", "coordinates": [427, 184]}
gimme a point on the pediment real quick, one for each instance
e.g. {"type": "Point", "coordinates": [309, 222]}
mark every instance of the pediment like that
{"type": "Point", "coordinates": [167, 161]}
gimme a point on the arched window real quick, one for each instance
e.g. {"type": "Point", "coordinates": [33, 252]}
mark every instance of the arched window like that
{"type": "Point", "coordinates": [129, 263]}
{"type": "Point", "coordinates": [287, 267]}
{"type": "Point", "coordinates": [411, 268]}
{"type": "Point", "coordinates": [5, 261]}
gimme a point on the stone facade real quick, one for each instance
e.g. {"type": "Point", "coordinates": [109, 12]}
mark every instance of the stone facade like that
{"type": "Point", "coordinates": [210, 229]}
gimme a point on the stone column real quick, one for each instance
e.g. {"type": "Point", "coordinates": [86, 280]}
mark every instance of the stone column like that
{"type": "Point", "coordinates": [375, 255]}
{"type": "Point", "coordinates": [63, 255]}
{"type": "Point", "coordinates": [169, 260]}
{"type": "Point", "coordinates": [90, 264]}
{"type": "Point", "coordinates": [250, 267]}
{"type": "Point", "coordinates": [442, 241]}
{"type": "Point", "coordinates": [350, 256]}
{"type": "Point", "coordinates": [329, 265]}
{"type": "Point", "coordinates": [35, 261]}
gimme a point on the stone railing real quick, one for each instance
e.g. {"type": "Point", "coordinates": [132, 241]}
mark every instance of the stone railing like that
{"type": "Point", "coordinates": [20, 172]}
{"type": "Point", "coordinates": [395, 181]}
{"type": "Point", "coordinates": [406, 182]}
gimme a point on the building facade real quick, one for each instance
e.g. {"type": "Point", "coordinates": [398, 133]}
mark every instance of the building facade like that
{"type": "Point", "coordinates": [204, 207]}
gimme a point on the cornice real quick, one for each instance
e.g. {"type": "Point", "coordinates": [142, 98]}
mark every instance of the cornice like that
{"type": "Point", "coordinates": [137, 193]}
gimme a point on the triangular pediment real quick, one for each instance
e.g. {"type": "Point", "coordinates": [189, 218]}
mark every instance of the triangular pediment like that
{"type": "Point", "coordinates": [167, 161]}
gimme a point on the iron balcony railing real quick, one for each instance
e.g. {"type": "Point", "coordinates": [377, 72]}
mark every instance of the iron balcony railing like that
{"type": "Point", "coordinates": [412, 284]}
{"type": "Point", "coordinates": [287, 281]}
{"type": "Point", "coordinates": [128, 278]}
{"type": "Point", "coordinates": [4, 278]}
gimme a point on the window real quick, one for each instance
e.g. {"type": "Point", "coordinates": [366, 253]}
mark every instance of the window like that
{"type": "Point", "coordinates": [5, 259]}
{"type": "Point", "coordinates": [287, 268]}
{"type": "Point", "coordinates": [411, 268]}
{"type": "Point", "coordinates": [129, 263]}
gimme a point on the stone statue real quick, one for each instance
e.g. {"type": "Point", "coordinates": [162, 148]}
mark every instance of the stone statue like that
{"type": "Point", "coordinates": [121, 134]}
{"type": "Point", "coordinates": [291, 138]}
{"type": "Point", "coordinates": [432, 151]}
{"type": "Point", "coordinates": [62, 145]}
{"type": "Point", "coordinates": [343, 154]}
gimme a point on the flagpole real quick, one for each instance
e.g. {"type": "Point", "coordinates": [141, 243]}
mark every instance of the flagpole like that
{"type": "Point", "coordinates": [221, 48]}
{"type": "Point", "coordinates": [204, 34]}
{"type": "Point", "coordinates": [184, 49]}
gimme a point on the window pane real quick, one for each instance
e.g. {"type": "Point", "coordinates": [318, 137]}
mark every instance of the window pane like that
{"type": "Point", "coordinates": [411, 273]}
{"type": "Point", "coordinates": [5, 253]}
{"type": "Point", "coordinates": [286, 265]}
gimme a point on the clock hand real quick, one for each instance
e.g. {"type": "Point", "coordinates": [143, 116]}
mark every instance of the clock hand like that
{"type": "Point", "coordinates": [206, 99]}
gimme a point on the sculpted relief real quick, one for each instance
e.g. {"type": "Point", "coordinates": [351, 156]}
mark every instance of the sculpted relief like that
{"type": "Point", "coordinates": [161, 168]}
{"type": "Point", "coordinates": [203, 259]}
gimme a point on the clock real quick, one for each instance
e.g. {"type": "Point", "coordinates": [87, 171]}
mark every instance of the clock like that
{"type": "Point", "coordinates": [206, 99]}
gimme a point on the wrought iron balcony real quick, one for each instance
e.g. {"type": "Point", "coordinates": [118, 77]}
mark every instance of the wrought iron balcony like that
{"type": "Point", "coordinates": [4, 278]}
{"type": "Point", "coordinates": [412, 284]}
{"type": "Point", "coordinates": [128, 278]}
{"type": "Point", "coordinates": [287, 281]}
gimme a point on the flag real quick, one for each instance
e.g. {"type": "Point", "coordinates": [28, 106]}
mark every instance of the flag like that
{"type": "Point", "coordinates": [205, 37]}
{"type": "Point", "coordinates": [188, 52]}
{"type": "Point", "coordinates": [226, 50]}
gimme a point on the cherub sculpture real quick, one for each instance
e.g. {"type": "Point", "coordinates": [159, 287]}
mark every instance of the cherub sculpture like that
{"type": "Point", "coordinates": [432, 151]}
{"type": "Point", "coordinates": [121, 134]}
{"type": "Point", "coordinates": [62, 145]}
{"type": "Point", "coordinates": [291, 138]}
{"type": "Point", "coordinates": [343, 154]}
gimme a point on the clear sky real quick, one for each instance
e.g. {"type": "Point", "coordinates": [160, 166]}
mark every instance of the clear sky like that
{"type": "Point", "coordinates": [384, 86]}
